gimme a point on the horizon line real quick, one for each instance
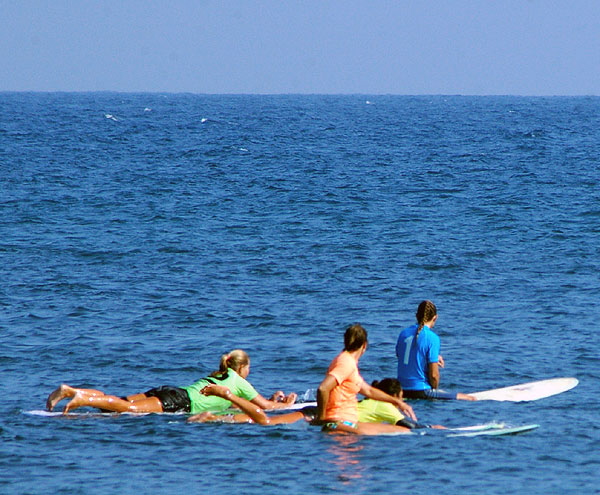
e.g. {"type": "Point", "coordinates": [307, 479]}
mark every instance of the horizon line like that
{"type": "Point", "coordinates": [362, 94]}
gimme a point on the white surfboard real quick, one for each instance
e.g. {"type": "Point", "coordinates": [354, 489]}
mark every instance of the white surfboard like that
{"type": "Point", "coordinates": [480, 427]}
{"type": "Point", "coordinates": [89, 414]}
{"type": "Point", "coordinates": [516, 393]}
{"type": "Point", "coordinates": [528, 391]}
{"type": "Point", "coordinates": [486, 429]}
{"type": "Point", "coordinates": [503, 430]}
{"type": "Point", "coordinates": [294, 407]}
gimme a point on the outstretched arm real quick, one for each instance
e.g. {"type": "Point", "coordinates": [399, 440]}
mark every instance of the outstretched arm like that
{"type": "Point", "coordinates": [277, 400]}
{"type": "Point", "coordinates": [255, 413]}
{"type": "Point", "coordinates": [374, 393]}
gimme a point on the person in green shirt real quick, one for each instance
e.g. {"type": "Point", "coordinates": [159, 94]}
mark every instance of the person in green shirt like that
{"type": "Point", "coordinates": [233, 370]}
{"type": "Point", "coordinates": [376, 411]}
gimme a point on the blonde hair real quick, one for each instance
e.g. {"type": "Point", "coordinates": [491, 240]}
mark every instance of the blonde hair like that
{"type": "Point", "coordinates": [235, 360]}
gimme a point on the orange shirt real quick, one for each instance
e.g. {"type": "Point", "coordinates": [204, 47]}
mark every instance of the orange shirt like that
{"type": "Point", "coordinates": [342, 404]}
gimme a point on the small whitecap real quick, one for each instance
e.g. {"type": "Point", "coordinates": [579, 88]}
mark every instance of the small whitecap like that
{"type": "Point", "coordinates": [368, 102]}
{"type": "Point", "coordinates": [203, 120]}
{"type": "Point", "coordinates": [111, 117]}
{"type": "Point", "coordinates": [147, 109]}
{"type": "Point", "coordinates": [243, 149]}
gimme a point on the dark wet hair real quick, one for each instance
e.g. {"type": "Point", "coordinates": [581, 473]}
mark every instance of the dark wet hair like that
{"type": "Point", "coordinates": [390, 386]}
{"type": "Point", "coordinates": [354, 337]}
{"type": "Point", "coordinates": [425, 312]}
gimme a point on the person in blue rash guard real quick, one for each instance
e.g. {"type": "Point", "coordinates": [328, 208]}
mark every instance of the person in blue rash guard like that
{"type": "Point", "coordinates": [419, 359]}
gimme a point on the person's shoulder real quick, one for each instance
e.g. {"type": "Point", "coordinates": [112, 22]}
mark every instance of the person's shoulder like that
{"type": "Point", "coordinates": [430, 338]}
{"type": "Point", "coordinates": [335, 360]}
{"type": "Point", "coordinates": [344, 357]}
{"type": "Point", "coordinates": [342, 361]}
{"type": "Point", "coordinates": [430, 333]}
{"type": "Point", "coordinates": [408, 329]}
{"type": "Point", "coordinates": [234, 376]}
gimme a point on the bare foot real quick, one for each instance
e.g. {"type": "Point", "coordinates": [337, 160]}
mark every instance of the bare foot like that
{"type": "Point", "coordinates": [59, 394]}
{"type": "Point", "coordinates": [79, 399]}
{"type": "Point", "coordinates": [460, 396]}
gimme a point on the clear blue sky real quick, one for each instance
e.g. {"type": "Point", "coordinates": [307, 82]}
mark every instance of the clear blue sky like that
{"type": "Point", "coordinates": [470, 47]}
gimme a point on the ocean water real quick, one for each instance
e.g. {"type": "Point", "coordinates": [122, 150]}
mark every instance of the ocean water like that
{"type": "Point", "coordinates": [144, 235]}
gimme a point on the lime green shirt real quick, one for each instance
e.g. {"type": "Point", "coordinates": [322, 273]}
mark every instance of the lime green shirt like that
{"type": "Point", "coordinates": [233, 381]}
{"type": "Point", "coordinates": [376, 411]}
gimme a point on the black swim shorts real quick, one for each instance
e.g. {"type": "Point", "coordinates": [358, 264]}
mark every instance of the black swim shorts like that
{"type": "Point", "coordinates": [430, 394]}
{"type": "Point", "coordinates": [173, 399]}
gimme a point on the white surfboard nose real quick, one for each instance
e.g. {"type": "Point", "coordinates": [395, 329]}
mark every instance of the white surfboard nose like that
{"type": "Point", "coordinates": [528, 391]}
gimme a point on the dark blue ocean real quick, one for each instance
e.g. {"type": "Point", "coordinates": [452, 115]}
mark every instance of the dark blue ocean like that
{"type": "Point", "coordinates": [144, 235]}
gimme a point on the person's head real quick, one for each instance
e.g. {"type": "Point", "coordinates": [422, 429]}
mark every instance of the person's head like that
{"type": "Point", "coordinates": [426, 313]}
{"type": "Point", "coordinates": [390, 386]}
{"type": "Point", "coordinates": [355, 338]}
{"type": "Point", "coordinates": [237, 360]}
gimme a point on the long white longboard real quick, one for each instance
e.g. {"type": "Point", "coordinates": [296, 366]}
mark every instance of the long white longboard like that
{"type": "Point", "coordinates": [528, 391]}
{"type": "Point", "coordinates": [516, 393]}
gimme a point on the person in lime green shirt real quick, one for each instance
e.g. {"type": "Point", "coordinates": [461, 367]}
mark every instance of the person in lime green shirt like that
{"type": "Point", "coordinates": [233, 370]}
{"type": "Point", "coordinates": [375, 411]}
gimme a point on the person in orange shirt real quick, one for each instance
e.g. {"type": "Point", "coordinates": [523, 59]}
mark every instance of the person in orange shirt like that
{"type": "Point", "coordinates": [337, 406]}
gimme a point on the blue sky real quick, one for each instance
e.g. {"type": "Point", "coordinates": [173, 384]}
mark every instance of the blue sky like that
{"type": "Point", "coordinates": [470, 47]}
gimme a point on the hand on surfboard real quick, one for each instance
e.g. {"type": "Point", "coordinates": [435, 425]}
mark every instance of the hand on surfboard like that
{"type": "Point", "coordinates": [280, 396]}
